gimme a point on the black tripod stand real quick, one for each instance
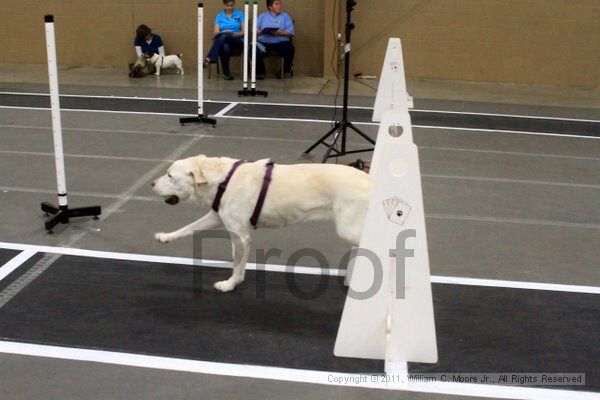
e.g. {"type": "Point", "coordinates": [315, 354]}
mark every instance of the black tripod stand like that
{"type": "Point", "coordinates": [340, 128]}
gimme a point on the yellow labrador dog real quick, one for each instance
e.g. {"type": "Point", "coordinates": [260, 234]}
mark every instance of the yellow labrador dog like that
{"type": "Point", "coordinates": [299, 192]}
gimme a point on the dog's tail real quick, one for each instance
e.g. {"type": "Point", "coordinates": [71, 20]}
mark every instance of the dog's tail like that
{"type": "Point", "coordinates": [180, 55]}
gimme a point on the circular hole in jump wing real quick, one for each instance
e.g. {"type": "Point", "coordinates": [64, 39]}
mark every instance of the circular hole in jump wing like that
{"type": "Point", "coordinates": [395, 131]}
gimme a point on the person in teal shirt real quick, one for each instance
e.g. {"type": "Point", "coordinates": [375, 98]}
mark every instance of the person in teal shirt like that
{"type": "Point", "coordinates": [275, 32]}
{"type": "Point", "coordinates": [228, 36]}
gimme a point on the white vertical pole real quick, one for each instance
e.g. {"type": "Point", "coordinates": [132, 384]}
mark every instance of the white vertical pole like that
{"type": "Point", "coordinates": [200, 58]}
{"type": "Point", "coordinates": [246, 23]}
{"type": "Point", "coordinates": [254, 18]}
{"type": "Point", "coordinates": [201, 118]}
{"type": "Point", "coordinates": [55, 106]}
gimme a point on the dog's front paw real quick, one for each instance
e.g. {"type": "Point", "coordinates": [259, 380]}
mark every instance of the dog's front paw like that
{"type": "Point", "coordinates": [225, 286]}
{"type": "Point", "coordinates": [162, 237]}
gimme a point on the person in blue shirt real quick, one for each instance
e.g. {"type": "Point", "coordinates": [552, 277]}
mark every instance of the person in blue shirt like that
{"type": "Point", "coordinates": [145, 41]}
{"type": "Point", "coordinates": [228, 36]}
{"type": "Point", "coordinates": [275, 30]}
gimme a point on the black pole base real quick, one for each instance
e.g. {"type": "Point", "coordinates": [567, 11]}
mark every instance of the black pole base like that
{"type": "Point", "coordinates": [62, 214]}
{"type": "Point", "coordinates": [200, 119]}
{"type": "Point", "coordinates": [339, 130]}
{"type": "Point", "coordinates": [252, 92]}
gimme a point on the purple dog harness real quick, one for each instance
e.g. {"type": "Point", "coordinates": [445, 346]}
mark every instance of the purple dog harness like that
{"type": "Point", "coordinates": [261, 197]}
{"type": "Point", "coordinates": [223, 185]}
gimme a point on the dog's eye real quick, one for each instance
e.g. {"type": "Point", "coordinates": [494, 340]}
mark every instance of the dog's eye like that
{"type": "Point", "coordinates": [169, 175]}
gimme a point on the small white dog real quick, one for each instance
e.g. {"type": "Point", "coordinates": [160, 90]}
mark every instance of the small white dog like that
{"type": "Point", "coordinates": [299, 192]}
{"type": "Point", "coordinates": [161, 62]}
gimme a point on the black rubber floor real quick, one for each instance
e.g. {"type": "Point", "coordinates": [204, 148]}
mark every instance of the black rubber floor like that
{"type": "Point", "coordinates": [6, 255]}
{"type": "Point", "coordinates": [500, 330]}
{"type": "Point", "coordinates": [147, 308]}
{"type": "Point", "coordinates": [108, 104]}
{"type": "Point", "coordinates": [419, 118]}
{"type": "Point", "coordinates": [295, 112]}
{"type": "Point", "coordinates": [17, 273]}
{"type": "Point", "coordinates": [428, 118]}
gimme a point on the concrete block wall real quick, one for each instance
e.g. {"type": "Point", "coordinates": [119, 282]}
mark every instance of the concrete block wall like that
{"type": "Point", "coordinates": [100, 32]}
{"type": "Point", "coordinates": [545, 42]}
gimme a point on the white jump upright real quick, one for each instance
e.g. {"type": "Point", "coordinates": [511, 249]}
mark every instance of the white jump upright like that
{"type": "Point", "coordinates": [62, 213]}
{"type": "Point", "coordinates": [254, 36]}
{"type": "Point", "coordinates": [392, 322]}
{"type": "Point", "coordinates": [252, 91]}
{"type": "Point", "coordinates": [201, 118]}
{"type": "Point", "coordinates": [245, 65]}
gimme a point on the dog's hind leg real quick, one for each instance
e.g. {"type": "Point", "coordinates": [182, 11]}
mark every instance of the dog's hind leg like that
{"type": "Point", "coordinates": [209, 221]}
{"type": "Point", "coordinates": [241, 245]}
{"type": "Point", "coordinates": [349, 222]}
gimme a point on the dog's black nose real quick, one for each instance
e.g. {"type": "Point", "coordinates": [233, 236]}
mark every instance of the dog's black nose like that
{"type": "Point", "coordinates": [152, 183]}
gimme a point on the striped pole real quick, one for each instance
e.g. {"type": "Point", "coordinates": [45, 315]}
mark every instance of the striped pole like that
{"type": "Point", "coordinates": [200, 56]}
{"type": "Point", "coordinates": [59, 214]}
{"type": "Point", "coordinates": [55, 107]}
{"type": "Point", "coordinates": [201, 118]}
{"type": "Point", "coordinates": [246, 23]}
{"type": "Point", "coordinates": [254, 27]}
{"type": "Point", "coordinates": [245, 91]}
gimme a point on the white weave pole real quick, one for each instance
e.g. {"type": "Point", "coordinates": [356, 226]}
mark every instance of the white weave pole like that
{"type": "Point", "coordinates": [59, 214]}
{"type": "Point", "coordinates": [201, 118]}
{"type": "Point", "coordinates": [245, 91]}
{"type": "Point", "coordinates": [200, 55]}
{"type": "Point", "coordinates": [246, 22]}
{"type": "Point", "coordinates": [254, 27]}
{"type": "Point", "coordinates": [55, 107]}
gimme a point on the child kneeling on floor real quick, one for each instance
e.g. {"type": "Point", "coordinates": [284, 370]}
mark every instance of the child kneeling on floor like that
{"type": "Point", "coordinates": [145, 42]}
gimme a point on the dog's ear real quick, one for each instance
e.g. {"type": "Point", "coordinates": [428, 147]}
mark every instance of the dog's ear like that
{"type": "Point", "coordinates": [196, 172]}
{"type": "Point", "coordinates": [196, 167]}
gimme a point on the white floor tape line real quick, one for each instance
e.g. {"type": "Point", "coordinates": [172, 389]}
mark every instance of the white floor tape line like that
{"type": "Point", "coordinates": [225, 110]}
{"type": "Point", "coordinates": [451, 217]}
{"type": "Point", "coordinates": [29, 276]}
{"type": "Point", "coordinates": [304, 105]}
{"type": "Point", "coordinates": [90, 156]}
{"type": "Point", "coordinates": [502, 131]}
{"type": "Point", "coordinates": [287, 374]}
{"type": "Point", "coordinates": [433, 148]}
{"type": "Point", "coordinates": [63, 109]}
{"type": "Point", "coordinates": [288, 269]}
{"type": "Point", "coordinates": [16, 262]}
{"type": "Point", "coordinates": [519, 221]}
{"type": "Point", "coordinates": [514, 181]}
{"type": "Point", "coordinates": [7, 189]}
